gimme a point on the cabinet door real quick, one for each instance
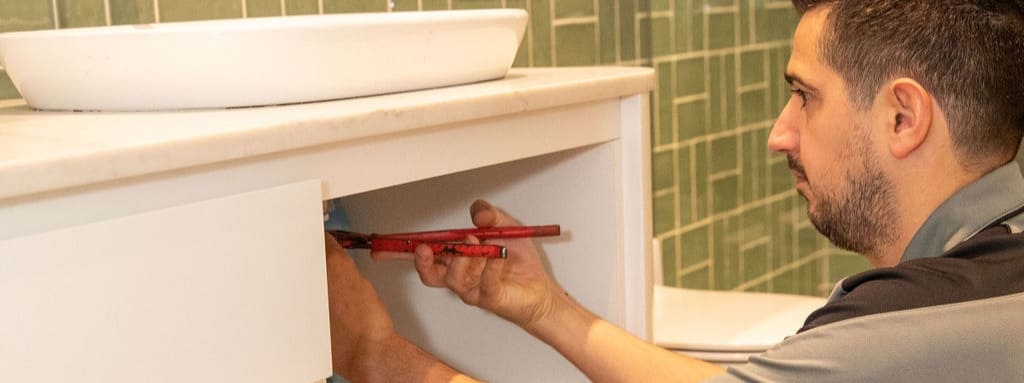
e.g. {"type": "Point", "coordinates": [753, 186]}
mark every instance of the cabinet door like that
{"type": "Point", "coordinates": [231, 289]}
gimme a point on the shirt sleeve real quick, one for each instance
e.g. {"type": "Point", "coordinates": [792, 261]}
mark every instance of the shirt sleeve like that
{"type": "Point", "coordinates": [963, 342]}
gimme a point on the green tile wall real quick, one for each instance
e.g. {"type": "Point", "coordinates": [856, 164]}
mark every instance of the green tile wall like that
{"type": "Point", "coordinates": [725, 212]}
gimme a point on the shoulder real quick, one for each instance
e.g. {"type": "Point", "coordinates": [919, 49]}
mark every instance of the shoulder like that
{"type": "Point", "coordinates": [989, 265]}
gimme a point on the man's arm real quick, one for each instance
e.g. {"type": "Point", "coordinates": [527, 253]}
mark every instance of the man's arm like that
{"type": "Point", "coordinates": [364, 345]}
{"type": "Point", "coordinates": [519, 290]}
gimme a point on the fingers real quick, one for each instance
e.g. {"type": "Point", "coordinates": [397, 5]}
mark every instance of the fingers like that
{"type": "Point", "coordinates": [431, 269]}
{"type": "Point", "coordinates": [485, 215]}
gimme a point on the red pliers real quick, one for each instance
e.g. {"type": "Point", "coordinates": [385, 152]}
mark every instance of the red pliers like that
{"type": "Point", "coordinates": [444, 242]}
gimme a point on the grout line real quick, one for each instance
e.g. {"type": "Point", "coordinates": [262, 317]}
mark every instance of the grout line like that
{"type": "Point", "coordinates": [752, 87]}
{"type": "Point", "coordinates": [156, 11]}
{"type": "Point", "coordinates": [529, 33]}
{"type": "Point", "coordinates": [664, 192]}
{"type": "Point", "coordinates": [689, 98]}
{"type": "Point", "coordinates": [551, 36]}
{"type": "Point", "coordinates": [777, 4]}
{"type": "Point", "coordinates": [617, 13]}
{"type": "Point", "coordinates": [320, 6]}
{"type": "Point", "coordinates": [597, 33]}
{"type": "Point", "coordinates": [245, 10]}
{"type": "Point", "coordinates": [760, 241]}
{"type": "Point", "coordinates": [419, 5]}
{"type": "Point", "coordinates": [284, 9]}
{"type": "Point", "coordinates": [106, 11]}
{"type": "Point", "coordinates": [661, 14]}
{"type": "Point", "coordinates": [574, 21]}
{"type": "Point", "coordinates": [724, 174]}
{"type": "Point", "coordinates": [721, 9]}
{"type": "Point", "coordinates": [56, 14]}
{"type": "Point", "coordinates": [705, 264]}
{"type": "Point", "coordinates": [723, 51]}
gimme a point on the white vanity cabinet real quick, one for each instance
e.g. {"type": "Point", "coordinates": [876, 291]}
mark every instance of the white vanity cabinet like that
{"type": "Point", "coordinates": [188, 246]}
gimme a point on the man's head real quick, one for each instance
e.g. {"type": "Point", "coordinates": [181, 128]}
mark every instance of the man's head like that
{"type": "Point", "coordinates": [883, 86]}
{"type": "Point", "coordinates": [968, 54]}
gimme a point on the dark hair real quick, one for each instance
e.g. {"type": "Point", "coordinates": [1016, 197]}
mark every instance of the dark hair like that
{"type": "Point", "coordinates": [968, 54]}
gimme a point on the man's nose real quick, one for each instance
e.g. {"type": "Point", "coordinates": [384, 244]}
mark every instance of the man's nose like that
{"type": "Point", "coordinates": [785, 134]}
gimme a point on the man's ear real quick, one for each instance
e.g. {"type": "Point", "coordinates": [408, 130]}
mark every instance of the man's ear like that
{"type": "Point", "coordinates": [909, 111]}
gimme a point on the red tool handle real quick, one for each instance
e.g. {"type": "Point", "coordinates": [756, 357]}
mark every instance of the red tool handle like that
{"type": "Point", "coordinates": [456, 249]}
{"type": "Point", "coordinates": [480, 233]}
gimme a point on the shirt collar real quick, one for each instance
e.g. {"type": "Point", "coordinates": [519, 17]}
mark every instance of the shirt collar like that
{"type": "Point", "coordinates": [978, 205]}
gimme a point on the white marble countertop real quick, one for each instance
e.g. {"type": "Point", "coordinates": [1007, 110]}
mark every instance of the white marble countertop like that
{"type": "Point", "coordinates": [46, 151]}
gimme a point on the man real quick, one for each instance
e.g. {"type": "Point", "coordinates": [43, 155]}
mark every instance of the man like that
{"type": "Point", "coordinates": [901, 133]}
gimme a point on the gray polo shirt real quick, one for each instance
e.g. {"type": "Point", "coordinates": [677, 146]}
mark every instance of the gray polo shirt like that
{"type": "Point", "coordinates": [951, 311]}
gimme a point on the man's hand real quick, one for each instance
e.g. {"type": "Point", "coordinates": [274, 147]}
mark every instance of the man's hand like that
{"type": "Point", "coordinates": [364, 344]}
{"type": "Point", "coordinates": [516, 288]}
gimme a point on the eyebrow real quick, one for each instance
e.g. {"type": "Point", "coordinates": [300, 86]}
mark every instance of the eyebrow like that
{"type": "Point", "coordinates": [792, 78]}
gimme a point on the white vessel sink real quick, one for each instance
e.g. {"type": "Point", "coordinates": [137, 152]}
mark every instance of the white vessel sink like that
{"type": "Point", "coordinates": [258, 61]}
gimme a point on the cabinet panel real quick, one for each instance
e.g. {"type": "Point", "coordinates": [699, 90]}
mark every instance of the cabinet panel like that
{"type": "Point", "coordinates": [228, 289]}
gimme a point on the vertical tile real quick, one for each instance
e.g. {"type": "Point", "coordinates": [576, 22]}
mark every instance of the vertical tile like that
{"type": "Point", "coordinates": [726, 254]}
{"type": "Point", "coordinates": [81, 13]}
{"type": "Point", "coordinates": [754, 224]}
{"type": "Point", "coordinates": [683, 26]}
{"type": "Point", "coordinates": [664, 212]}
{"type": "Point", "coordinates": [723, 154]}
{"type": "Point", "coordinates": [660, 42]}
{"type": "Point", "coordinates": [263, 8]}
{"type": "Point", "coordinates": [716, 93]}
{"type": "Point", "coordinates": [575, 45]}
{"type": "Point", "coordinates": [475, 4]}
{"type": "Point", "coordinates": [694, 247]}
{"type": "Point", "coordinates": [685, 186]}
{"type": "Point", "coordinates": [662, 170]}
{"type": "Point", "coordinates": [132, 12]}
{"type": "Point", "coordinates": [354, 6]}
{"type": "Point", "coordinates": [606, 31]}
{"type": "Point", "coordinates": [435, 5]}
{"type": "Point", "coordinates": [697, 25]}
{"type": "Point", "coordinates": [754, 107]}
{"type": "Point", "coordinates": [301, 7]}
{"type": "Point", "coordinates": [745, 37]}
{"type": "Point", "coordinates": [721, 30]}
{"type": "Point", "coordinates": [808, 241]}
{"type": "Point", "coordinates": [693, 120]}
{"type": "Point", "coordinates": [627, 25]}
{"type": "Point", "coordinates": [7, 89]}
{"type": "Point", "coordinates": [405, 5]}
{"type": "Point", "coordinates": [752, 69]}
{"type": "Point", "coordinates": [25, 15]}
{"type": "Point", "coordinates": [182, 10]}
{"type": "Point", "coordinates": [725, 194]}
{"type": "Point", "coordinates": [732, 106]}
{"type": "Point", "coordinates": [755, 263]}
{"type": "Point", "coordinates": [690, 76]}
{"type": "Point", "coordinates": [574, 8]}
{"type": "Point", "coordinates": [700, 181]}
{"type": "Point", "coordinates": [540, 24]}
{"type": "Point", "coordinates": [646, 37]}
{"type": "Point", "coordinates": [781, 226]}
{"type": "Point", "coordinates": [664, 123]}
{"type": "Point", "coordinates": [753, 169]}
{"type": "Point", "coordinates": [669, 266]}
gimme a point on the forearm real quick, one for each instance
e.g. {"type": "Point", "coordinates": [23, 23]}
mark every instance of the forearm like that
{"type": "Point", "coordinates": [395, 359]}
{"type": "Point", "coordinates": [606, 353]}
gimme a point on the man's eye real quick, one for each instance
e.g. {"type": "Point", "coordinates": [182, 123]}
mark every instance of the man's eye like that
{"type": "Point", "coordinates": [800, 93]}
